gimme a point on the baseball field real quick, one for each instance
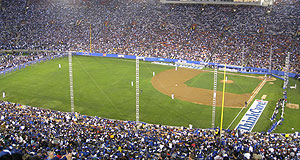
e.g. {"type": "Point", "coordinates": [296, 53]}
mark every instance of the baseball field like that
{"type": "Point", "coordinates": [102, 87]}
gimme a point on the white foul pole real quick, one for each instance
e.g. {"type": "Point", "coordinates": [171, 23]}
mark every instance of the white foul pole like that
{"type": "Point", "coordinates": [71, 82]}
{"type": "Point", "coordinates": [243, 57]}
{"type": "Point", "coordinates": [137, 91]}
{"type": "Point", "coordinates": [270, 63]}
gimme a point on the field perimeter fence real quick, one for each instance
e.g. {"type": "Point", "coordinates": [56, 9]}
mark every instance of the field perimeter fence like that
{"type": "Point", "coordinates": [232, 68]}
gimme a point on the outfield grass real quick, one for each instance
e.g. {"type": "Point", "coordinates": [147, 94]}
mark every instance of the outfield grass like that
{"type": "Point", "coordinates": [240, 84]}
{"type": "Point", "coordinates": [274, 93]}
{"type": "Point", "coordinates": [102, 88]}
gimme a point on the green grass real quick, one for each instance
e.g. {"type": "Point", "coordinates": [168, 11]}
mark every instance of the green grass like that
{"type": "Point", "coordinates": [241, 84]}
{"type": "Point", "coordinates": [274, 93]}
{"type": "Point", "coordinates": [102, 88]}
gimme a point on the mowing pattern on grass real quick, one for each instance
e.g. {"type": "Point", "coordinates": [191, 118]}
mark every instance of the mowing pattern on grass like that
{"type": "Point", "coordinates": [291, 116]}
{"type": "Point", "coordinates": [102, 88]}
{"type": "Point", "coordinates": [241, 84]}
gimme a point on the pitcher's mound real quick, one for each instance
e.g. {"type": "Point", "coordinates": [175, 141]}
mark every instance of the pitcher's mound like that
{"type": "Point", "coordinates": [293, 106]}
{"type": "Point", "coordinates": [228, 81]}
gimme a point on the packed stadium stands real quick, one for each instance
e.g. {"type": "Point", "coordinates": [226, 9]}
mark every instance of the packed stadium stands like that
{"type": "Point", "coordinates": [10, 61]}
{"type": "Point", "coordinates": [241, 35]}
{"type": "Point", "coordinates": [41, 133]}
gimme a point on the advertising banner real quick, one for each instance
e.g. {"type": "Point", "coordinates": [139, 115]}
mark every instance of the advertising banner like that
{"type": "Point", "coordinates": [252, 115]}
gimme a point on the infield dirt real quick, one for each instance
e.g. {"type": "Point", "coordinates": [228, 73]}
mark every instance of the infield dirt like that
{"type": "Point", "coordinates": [172, 82]}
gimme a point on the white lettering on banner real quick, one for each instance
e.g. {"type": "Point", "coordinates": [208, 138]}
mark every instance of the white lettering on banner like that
{"type": "Point", "coordinates": [182, 61]}
{"type": "Point", "coordinates": [249, 120]}
{"type": "Point", "coordinates": [228, 70]}
{"type": "Point", "coordinates": [121, 56]}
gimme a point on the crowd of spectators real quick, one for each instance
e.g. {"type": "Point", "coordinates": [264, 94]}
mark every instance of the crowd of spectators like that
{"type": "Point", "coordinates": [236, 35]}
{"type": "Point", "coordinates": [279, 104]}
{"type": "Point", "coordinates": [41, 133]}
{"type": "Point", "coordinates": [9, 61]}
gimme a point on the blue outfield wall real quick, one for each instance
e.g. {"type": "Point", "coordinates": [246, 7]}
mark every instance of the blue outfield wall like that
{"type": "Point", "coordinates": [277, 77]}
{"type": "Point", "coordinates": [248, 70]}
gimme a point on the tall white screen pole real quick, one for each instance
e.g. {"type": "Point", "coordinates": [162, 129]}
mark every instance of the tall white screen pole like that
{"type": "Point", "coordinates": [137, 91]}
{"type": "Point", "coordinates": [71, 82]}
{"type": "Point", "coordinates": [213, 117]}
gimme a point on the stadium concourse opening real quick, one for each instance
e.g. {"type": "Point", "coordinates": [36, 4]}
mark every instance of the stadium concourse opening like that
{"type": "Point", "coordinates": [172, 82]}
